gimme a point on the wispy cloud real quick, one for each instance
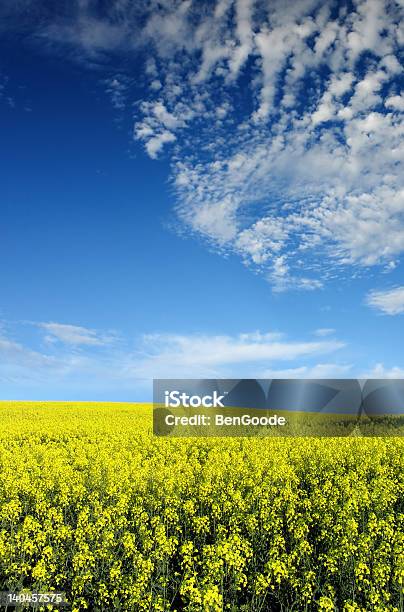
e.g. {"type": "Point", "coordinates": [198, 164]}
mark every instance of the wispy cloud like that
{"type": "Point", "coordinates": [99, 364]}
{"type": "Point", "coordinates": [380, 371]}
{"type": "Point", "coordinates": [170, 355]}
{"type": "Point", "coordinates": [126, 369]}
{"type": "Point", "coordinates": [15, 353]}
{"type": "Point", "coordinates": [75, 335]}
{"type": "Point", "coordinates": [390, 301]}
{"type": "Point", "coordinates": [117, 88]}
{"type": "Point", "coordinates": [324, 331]}
{"type": "Point", "coordinates": [4, 93]}
{"type": "Point", "coordinates": [320, 370]}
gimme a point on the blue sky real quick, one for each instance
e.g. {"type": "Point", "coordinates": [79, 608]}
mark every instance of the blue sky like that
{"type": "Point", "coordinates": [209, 189]}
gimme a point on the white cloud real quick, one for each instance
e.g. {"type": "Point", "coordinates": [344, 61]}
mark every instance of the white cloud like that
{"type": "Point", "coordinates": [20, 363]}
{"type": "Point", "coordinates": [299, 191]}
{"type": "Point", "coordinates": [20, 355]}
{"type": "Point", "coordinates": [389, 302]}
{"type": "Point", "coordinates": [285, 121]}
{"type": "Point", "coordinates": [324, 331]}
{"type": "Point", "coordinates": [320, 370]}
{"type": "Point", "coordinates": [166, 118]}
{"type": "Point", "coordinates": [91, 34]}
{"type": "Point", "coordinates": [117, 89]}
{"type": "Point", "coordinates": [380, 371]}
{"type": "Point", "coordinates": [159, 125]}
{"type": "Point", "coordinates": [75, 335]}
{"type": "Point", "coordinates": [396, 102]}
{"type": "Point", "coordinates": [155, 144]}
{"type": "Point", "coordinates": [161, 355]}
{"type": "Point", "coordinates": [173, 356]}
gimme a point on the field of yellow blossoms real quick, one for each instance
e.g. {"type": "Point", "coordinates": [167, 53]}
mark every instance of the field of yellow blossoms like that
{"type": "Point", "coordinates": [93, 506]}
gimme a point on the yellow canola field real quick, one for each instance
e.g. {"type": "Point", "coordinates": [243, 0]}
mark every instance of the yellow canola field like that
{"type": "Point", "coordinates": [93, 506]}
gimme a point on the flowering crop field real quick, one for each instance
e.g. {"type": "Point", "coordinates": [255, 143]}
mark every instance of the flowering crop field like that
{"type": "Point", "coordinates": [92, 505]}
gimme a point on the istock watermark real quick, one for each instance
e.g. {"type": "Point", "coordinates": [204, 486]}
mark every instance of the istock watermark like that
{"type": "Point", "coordinates": [175, 399]}
{"type": "Point", "coordinates": [278, 407]}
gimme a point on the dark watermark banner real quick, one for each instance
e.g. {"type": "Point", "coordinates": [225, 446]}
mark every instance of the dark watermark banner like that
{"type": "Point", "coordinates": [278, 407]}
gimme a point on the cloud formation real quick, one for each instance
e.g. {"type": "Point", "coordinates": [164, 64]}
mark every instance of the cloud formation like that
{"type": "Point", "coordinates": [75, 335]}
{"type": "Point", "coordinates": [380, 371]}
{"type": "Point", "coordinates": [79, 363]}
{"type": "Point", "coordinates": [287, 130]}
{"type": "Point", "coordinates": [207, 356]}
{"type": "Point", "coordinates": [5, 97]}
{"type": "Point", "coordinates": [282, 120]}
{"type": "Point", "coordinates": [389, 302]}
{"type": "Point", "coordinates": [69, 354]}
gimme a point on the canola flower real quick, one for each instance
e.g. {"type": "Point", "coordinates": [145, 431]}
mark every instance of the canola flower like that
{"type": "Point", "coordinates": [92, 505]}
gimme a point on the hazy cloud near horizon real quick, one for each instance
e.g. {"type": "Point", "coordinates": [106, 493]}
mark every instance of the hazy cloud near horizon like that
{"type": "Point", "coordinates": [89, 363]}
{"type": "Point", "coordinates": [62, 354]}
